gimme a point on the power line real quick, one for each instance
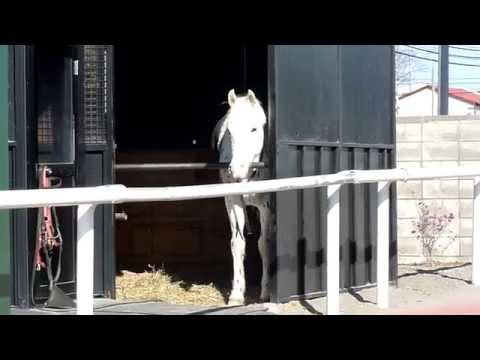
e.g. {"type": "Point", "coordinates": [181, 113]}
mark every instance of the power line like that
{"type": "Point", "coordinates": [452, 78]}
{"type": "Point", "coordinates": [452, 55]}
{"type": "Point", "coordinates": [415, 56]}
{"type": "Point", "coordinates": [464, 48]}
{"type": "Point", "coordinates": [428, 51]}
{"type": "Point", "coordinates": [433, 60]}
{"type": "Point", "coordinates": [452, 91]}
{"type": "Point", "coordinates": [465, 56]}
{"type": "Point", "coordinates": [425, 83]}
{"type": "Point", "coordinates": [429, 81]}
{"type": "Point", "coordinates": [449, 94]}
{"type": "Point", "coordinates": [470, 81]}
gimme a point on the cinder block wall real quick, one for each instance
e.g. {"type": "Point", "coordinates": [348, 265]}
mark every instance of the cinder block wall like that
{"type": "Point", "coordinates": [429, 142]}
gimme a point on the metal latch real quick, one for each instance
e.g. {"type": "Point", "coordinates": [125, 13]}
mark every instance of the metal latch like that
{"type": "Point", "coordinates": [121, 216]}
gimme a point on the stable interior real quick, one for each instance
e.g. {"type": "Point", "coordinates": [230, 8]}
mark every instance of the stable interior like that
{"type": "Point", "coordinates": [167, 103]}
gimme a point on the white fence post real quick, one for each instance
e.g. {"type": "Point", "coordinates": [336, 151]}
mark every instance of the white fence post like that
{"type": "Point", "coordinates": [476, 233]}
{"type": "Point", "coordinates": [333, 250]}
{"type": "Point", "coordinates": [383, 240]}
{"type": "Point", "coordinates": [85, 255]}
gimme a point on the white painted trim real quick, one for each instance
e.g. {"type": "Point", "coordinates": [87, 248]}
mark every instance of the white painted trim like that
{"type": "Point", "coordinates": [85, 258]}
{"type": "Point", "coordinates": [333, 250]}
{"type": "Point", "coordinates": [383, 239]}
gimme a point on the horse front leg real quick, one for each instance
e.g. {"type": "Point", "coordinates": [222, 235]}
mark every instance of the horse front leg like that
{"type": "Point", "coordinates": [265, 234]}
{"type": "Point", "coordinates": [236, 216]}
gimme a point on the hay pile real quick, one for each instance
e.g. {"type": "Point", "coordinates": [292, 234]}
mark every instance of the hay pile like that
{"type": "Point", "coordinates": [156, 285]}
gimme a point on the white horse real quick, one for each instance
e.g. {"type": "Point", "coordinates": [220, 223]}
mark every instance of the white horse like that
{"type": "Point", "coordinates": [239, 137]}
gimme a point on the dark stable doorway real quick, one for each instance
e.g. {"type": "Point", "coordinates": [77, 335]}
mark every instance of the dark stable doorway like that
{"type": "Point", "coordinates": [170, 97]}
{"type": "Point", "coordinates": [167, 102]}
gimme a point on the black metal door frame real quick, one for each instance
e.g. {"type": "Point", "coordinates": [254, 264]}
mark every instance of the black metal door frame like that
{"type": "Point", "coordinates": [96, 158]}
{"type": "Point", "coordinates": [23, 158]}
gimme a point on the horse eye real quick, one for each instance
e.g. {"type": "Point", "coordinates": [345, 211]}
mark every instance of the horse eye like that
{"type": "Point", "coordinates": [254, 129]}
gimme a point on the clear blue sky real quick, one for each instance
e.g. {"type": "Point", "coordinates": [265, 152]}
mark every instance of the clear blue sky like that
{"type": "Point", "coordinates": [466, 77]}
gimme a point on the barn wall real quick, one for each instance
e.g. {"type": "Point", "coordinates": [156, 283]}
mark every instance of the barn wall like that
{"type": "Point", "coordinates": [171, 232]}
{"type": "Point", "coordinates": [301, 242]}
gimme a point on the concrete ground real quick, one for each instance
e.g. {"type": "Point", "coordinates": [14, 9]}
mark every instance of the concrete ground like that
{"type": "Point", "coordinates": [112, 307]}
{"type": "Point", "coordinates": [443, 290]}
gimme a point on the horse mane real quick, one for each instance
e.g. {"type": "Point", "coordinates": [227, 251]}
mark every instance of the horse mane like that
{"type": "Point", "coordinates": [216, 131]}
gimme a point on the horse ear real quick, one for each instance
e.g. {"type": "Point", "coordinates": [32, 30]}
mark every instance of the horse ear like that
{"type": "Point", "coordinates": [251, 97]}
{"type": "Point", "coordinates": [231, 97]}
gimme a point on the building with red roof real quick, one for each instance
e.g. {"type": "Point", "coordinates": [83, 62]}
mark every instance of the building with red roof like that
{"type": "Point", "coordinates": [423, 102]}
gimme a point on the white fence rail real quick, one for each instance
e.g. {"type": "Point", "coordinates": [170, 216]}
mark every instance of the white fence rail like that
{"type": "Point", "coordinates": [87, 198]}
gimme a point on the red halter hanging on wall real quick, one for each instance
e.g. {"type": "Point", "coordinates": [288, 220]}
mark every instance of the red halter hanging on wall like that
{"type": "Point", "coordinates": [48, 238]}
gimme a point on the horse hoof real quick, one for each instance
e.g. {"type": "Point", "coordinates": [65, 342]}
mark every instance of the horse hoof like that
{"type": "Point", "coordinates": [235, 301]}
{"type": "Point", "coordinates": [264, 297]}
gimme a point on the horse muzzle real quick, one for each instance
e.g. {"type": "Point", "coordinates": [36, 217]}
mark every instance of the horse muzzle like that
{"type": "Point", "coordinates": [238, 173]}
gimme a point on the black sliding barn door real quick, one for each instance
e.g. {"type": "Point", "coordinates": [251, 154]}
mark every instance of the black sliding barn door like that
{"type": "Point", "coordinates": [332, 109]}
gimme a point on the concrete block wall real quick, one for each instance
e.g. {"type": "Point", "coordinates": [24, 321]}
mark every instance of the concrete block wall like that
{"type": "Point", "coordinates": [428, 142]}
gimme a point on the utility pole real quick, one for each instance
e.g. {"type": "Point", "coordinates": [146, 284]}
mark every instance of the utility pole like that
{"type": "Point", "coordinates": [433, 94]}
{"type": "Point", "coordinates": [443, 80]}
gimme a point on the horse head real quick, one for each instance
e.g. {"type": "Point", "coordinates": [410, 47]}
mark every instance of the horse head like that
{"type": "Point", "coordinates": [244, 123]}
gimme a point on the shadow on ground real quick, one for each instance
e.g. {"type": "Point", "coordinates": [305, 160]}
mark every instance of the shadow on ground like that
{"type": "Point", "coordinates": [436, 271]}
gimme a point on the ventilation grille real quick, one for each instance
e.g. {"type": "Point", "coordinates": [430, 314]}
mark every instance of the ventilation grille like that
{"type": "Point", "coordinates": [95, 97]}
{"type": "Point", "coordinates": [45, 127]}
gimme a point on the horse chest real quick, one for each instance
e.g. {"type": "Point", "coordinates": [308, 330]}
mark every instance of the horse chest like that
{"type": "Point", "coordinates": [250, 199]}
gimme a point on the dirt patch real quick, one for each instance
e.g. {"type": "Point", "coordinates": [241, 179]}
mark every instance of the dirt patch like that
{"type": "Point", "coordinates": [419, 286]}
